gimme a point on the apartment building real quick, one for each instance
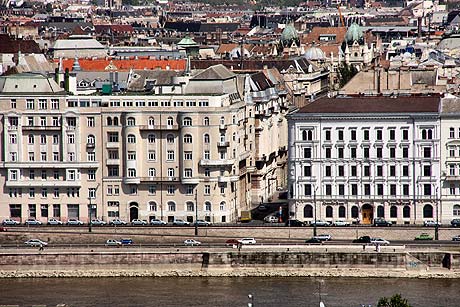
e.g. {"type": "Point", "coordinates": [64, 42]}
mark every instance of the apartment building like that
{"type": "Point", "coordinates": [210, 148]}
{"type": "Point", "coordinates": [358, 158]}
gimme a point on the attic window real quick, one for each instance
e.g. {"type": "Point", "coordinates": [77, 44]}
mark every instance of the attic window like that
{"type": "Point", "coordinates": [35, 86]}
{"type": "Point", "coordinates": [15, 86]}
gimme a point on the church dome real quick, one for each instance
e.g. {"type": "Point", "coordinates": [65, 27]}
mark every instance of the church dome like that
{"type": "Point", "coordinates": [289, 33]}
{"type": "Point", "coordinates": [314, 54]}
{"type": "Point", "coordinates": [354, 33]}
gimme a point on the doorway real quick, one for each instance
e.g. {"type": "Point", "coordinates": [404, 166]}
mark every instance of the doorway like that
{"type": "Point", "coordinates": [367, 213]}
{"type": "Point", "coordinates": [133, 211]}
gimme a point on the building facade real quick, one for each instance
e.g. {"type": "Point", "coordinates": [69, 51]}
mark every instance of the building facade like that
{"type": "Point", "coordinates": [356, 159]}
{"type": "Point", "coordinates": [209, 150]}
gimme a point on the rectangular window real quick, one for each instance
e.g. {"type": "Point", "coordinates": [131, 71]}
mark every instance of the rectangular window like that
{"type": "Point", "coordinates": [379, 135]}
{"type": "Point", "coordinates": [56, 193]}
{"type": "Point", "coordinates": [405, 134]}
{"type": "Point", "coordinates": [354, 171]}
{"type": "Point", "coordinates": [340, 135]}
{"type": "Point", "coordinates": [367, 171]}
{"type": "Point", "coordinates": [91, 122]}
{"type": "Point", "coordinates": [113, 171]}
{"type": "Point", "coordinates": [366, 135]}
{"type": "Point", "coordinates": [405, 170]}
{"type": "Point", "coordinates": [43, 156]}
{"type": "Point", "coordinates": [392, 152]}
{"type": "Point", "coordinates": [354, 189]}
{"type": "Point", "coordinates": [392, 189]}
{"type": "Point", "coordinates": [405, 189]}
{"type": "Point", "coordinates": [379, 152]}
{"type": "Point", "coordinates": [44, 175]}
{"type": "Point", "coordinates": [170, 155]}
{"type": "Point", "coordinates": [392, 171]}
{"type": "Point", "coordinates": [379, 189]}
{"type": "Point", "coordinates": [366, 152]}
{"type": "Point", "coordinates": [30, 105]}
{"type": "Point", "coordinates": [32, 174]}
{"type": "Point", "coordinates": [71, 156]}
{"type": "Point", "coordinates": [71, 138]}
{"type": "Point", "coordinates": [452, 189]}
{"type": "Point", "coordinates": [55, 156]}
{"type": "Point", "coordinates": [427, 170]}
{"type": "Point", "coordinates": [341, 170]}
{"type": "Point", "coordinates": [55, 139]}
{"type": "Point", "coordinates": [405, 152]}
{"type": "Point", "coordinates": [31, 192]}
{"type": "Point", "coordinates": [54, 104]}
{"type": "Point", "coordinates": [452, 170]}
{"type": "Point", "coordinates": [44, 193]}
{"type": "Point", "coordinates": [379, 170]}
{"type": "Point", "coordinates": [392, 134]}
{"type": "Point", "coordinates": [353, 135]}
{"type": "Point", "coordinates": [207, 155]}
{"type": "Point", "coordinates": [31, 156]}
{"type": "Point", "coordinates": [171, 189]}
{"type": "Point", "coordinates": [307, 153]}
{"type": "Point", "coordinates": [55, 122]}
{"type": "Point", "coordinates": [92, 174]}
{"type": "Point", "coordinates": [307, 170]}
{"type": "Point", "coordinates": [187, 155]}
{"type": "Point", "coordinates": [328, 188]}
{"type": "Point", "coordinates": [327, 135]}
{"type": "Point", "coordinates": [341, 189]}
{"type": "Point", "coordinates": [340, 152]}
{"type": "Point", "coordinates": [367, 189]}
{"type": "Point", "coordinates": [189, 189]}
{"type": "Point", "coordinates": [131, 155]}
{"type": "Point", "coordinates": [427, 152]}
{"type": "Point", "coordinates": [152, 189]}
{"type": "Point", "coordinates": [56, 175]}
{"type": "Point", "coordinates": [207, 189]}
{"type": "Point", "coordinates": [328, 171]}
{"type": "Point", "coordinates": [188, 173]}
{"type": "Point", "coordinates": [427, 189]}
{"type": "Point", "coordinates": [170, 172]}
{"type": "Point", "coordinates": [353, 152]}
{"type": "Point", "coordinates": [42, 104]}
{"type": "Point", "coordinates": [328, 153]}
{"type": "Point", "coordinates": [112, 137]}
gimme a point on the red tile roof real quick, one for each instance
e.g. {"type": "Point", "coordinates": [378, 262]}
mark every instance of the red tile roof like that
{"type": "Point", "coordinates": [125, 65]}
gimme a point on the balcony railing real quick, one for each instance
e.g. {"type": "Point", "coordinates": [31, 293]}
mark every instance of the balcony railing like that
{"type": "Point", "coordinates": [223, 162]}
{"type": "Point", "coordinates": [159, 179]}
{"type": "Point", "coordinates": [159, 127]}
{"type": "Point", "coordinates": [47, 128]}
{"type": "Point", "coordinates": [223, 144]}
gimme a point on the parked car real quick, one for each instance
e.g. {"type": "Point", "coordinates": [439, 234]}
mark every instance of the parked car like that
{"type": "Point", "coordinates": [379, 241]}
{"type": "Point", "coordinates": [431, 223]}
{"type": "Point", "coordinates": [202, 223]}
{"type": "Point", "coordinates": [192, 242]}
{"type": "Point", "coordinates": [456, 238]}
{"type": "Point", "coordinates": [54, 222]}
{"type": "Point", "coordinates": [137, 222]}
{"type": "Point", "coordinates": [74, 222]}
{"type": "Point", "coordinates": [157, 222]}
{"type": "Point", "coordinates": [323, 237]}
{"type": "Point", "coordinates": [118, 222]}
{"type": "Point", "coordinates": [320, 223]}
{"type": "Point", "coordinates": [35, 242]}
{"type": "Point", "coordinates": [341, 223]}
{"type": "Point", "coordinates": [262, 208]}
{"type": "Point", "coordinates": [382, 222]}
{"type": "Point", "coordinates": [363, 239]}
{"type": "Point", "coordinates": [126, 241]}
{"type": "Point", "coordinates": [32, 222]}
{"type": "Point", "coordinates": [112, 242]}
{"type": "Point", "coordinates": [231, 242]}
{"type": "Point", "coordinates": [10, 222]}
{"type": "Point", "coordinates": [424, 236]}
{"type": "Point", "coordinates": [98, 222]}
{"type": "Point", "coordinates": [180, 222]}
{"type": "Point", "coordinates": [271, 219]}
{"type": "Point", "coordinates": [313, 240]}
{"type": "Point", "coordinates": [455, 222]}
{"type": "Point", "coordinates": [245, 241]}
{"type": "Point", "coordinates": [295, 223]}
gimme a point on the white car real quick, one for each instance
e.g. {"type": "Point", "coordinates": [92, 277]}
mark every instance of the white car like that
{"type": "Point", "coordinates": [192, 242]}
{"type": "Point", "coordinates": [98, 222]}
{"type": "Point", "coordinates": [341, 223]}
{"type": "Point", "coordinates": [53, 221]}
{"type": "Point", "coordinates": [323, 237]}
{"type": "Point", "coordinates": [10, 222]}
{"type": "Point", "coordinates": [74, 222]}
{"type": "Point", "coordinates": [431, 223]}
{"type": "Point", "coordinates": [379, 241]}
{"type": "Point", "coordinates": [112, 242]}
{"type": "Point", "coordinates": [35, 242]}
{"type": "Point", "coordinates": [271, 219]}
{"type": "Point", "coordinates": [137, 222]}
{"type": "Point", "coordinates": [245, 241]}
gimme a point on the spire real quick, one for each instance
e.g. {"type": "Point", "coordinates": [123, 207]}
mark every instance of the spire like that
{"type": "Point", "coordinates": [76, 65]}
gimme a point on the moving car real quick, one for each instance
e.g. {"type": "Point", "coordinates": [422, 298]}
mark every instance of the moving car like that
{"type": "Point", "coordinates": [126, 241]}
{"type": "Point", "coordinates": [202, 223]}
{"type": "Point", "coordinates": [74, 222]}
{"type": "Point", "coordinates": [54, 222]}
{"type": "Point", "coordinates": [320, 223]}
{"type": "Point", "coordinates": [262, 208]}
{"type": "Point", "coordinates": [32, 222]}
{"type": "Point", "coordinates": [363, 239]}
{"type": "Point", "coordinates": [245, 241]}
{"type": "Point", "coordinates": [424, 236]}
{"type": "Point", "coordinates": [112, 242]}
{"type": "Point", "coordinates": [431, 223]}
{"type": "Point", "coordinates": [180, 222]}
{"type": "Point", "coordinates": [382, 222]}
{"type": "Point", "coordinates": [98, 222]}
{"type": "Point", "coordinates": [295, 223]}
{"type": "Point", "coordinates": [379, 241]}
{"type": "Point", "coordinates": [157, 222]}
{"type": "Point", "coordinates": [137, 222]}
{"type": "Point", "coordinates": [118, 222]}
{"type": "Point", "coordinates": [341, 223]}
{"type": "Point", "coordinates": [455, 222]}
{"type": "Point", "coordinates": [323, 237]}
{"type": "Point", "coordinates": [192, 242]}
{"type": "Point", "coordinates": [313, 240]}
{"type": "Point", "coordinates": [271, 219]}
{"type": "Point", "coordinates": [231, 242]}
{"type": "Point", "coordinates": [456, 238]}
{"type": "Point", "coordinates": [10, 222]}
{"type": "Point", "coordinates": [35, 242]}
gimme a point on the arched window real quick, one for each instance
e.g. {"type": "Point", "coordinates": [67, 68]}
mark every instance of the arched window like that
{"type": "Point", "coordinates": [354, 212]}
{"type": "Point", "coordinates": [380, 211]}
{"type": "Point", "coordinates": [171, 206]}
{"type": "Point", "coordinates": [207, 206]}
{"type": "Point", "coordinates": [222, 137]}
{"type": "Point", "coordinates": [308, 211]}
{"type": "Point", "coordinates": [206, 121]}
{"type": "Point", "coordinates": [151, 138]}
{"type": "Point", "coordinates": [393, 211]}
{"type": "Point", "coordinates": [188, 138]}
{"type": "Point", "coordinates": [152, 172]}
{"type": "Point", "coordinates": [131, 121]}
{"type": "Point", "coordinates": [152, 206]}
{"type": "Point", "coordinates": [250, 128]}
{"type": "Point", "coordinates": [329, 211]}
{"type": "Point", "coordinates": [170, 138]}
{"type": "Point", "coordinates": [109, 121]}
{"type": "Point", "coordinates": [187, 121]}
{"type": "Point", "coordinates": [151, 121]}
{"type": "Point", "coordinates": [342, 211]}
{"type": "Point", "coordinates": [428, 211]}
{"type": "Point", "coordinates": [222, 120]}
{"type": "Point", "coordinates": [169, 121]}
{"type": "Point", "coordinates": [456, 210]}
{"type": "Point", "coordinates": [222, 206]}
{"type": "Point", "coordinates": [430, 134]}
{"type": "Point", "coordinates": [406, 212]}
{"type": "Point", "coordinates": [206, 138]}
{"type": "Point", "coordinates": [91, 139]}
{"type": "Point", "coordinates": [423, 134]}
{"type": "Point", "coordinates": [131, 172]}
{"type": "Point", "coordinates": [115, 121]}
{"type": "Point", "coordinates": [234, 136]}
{"type": "Point", "coordinates": [131, 139]}
{"type": "Point", "coordinates": [234, 119]}
{"type": "Point", "coordinates": [189, 206]}
{"type": "Point", "coordinates": [307, 135]}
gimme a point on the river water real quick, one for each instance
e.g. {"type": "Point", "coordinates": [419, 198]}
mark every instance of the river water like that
{"type": "Point", "coordinates": [188, 292]}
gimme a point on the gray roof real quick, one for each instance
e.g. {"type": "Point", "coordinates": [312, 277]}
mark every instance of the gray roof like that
{"type": "Point", "coordinates": [216, 72]}
{"type": "Point", "coordinates": [77, 43]}
{"type": "Point", "coordinates": [33, 83]}
{"type": "Point", "coordinates": [143, 80]}
{"type": "Point", "coordinates": [450, 106]}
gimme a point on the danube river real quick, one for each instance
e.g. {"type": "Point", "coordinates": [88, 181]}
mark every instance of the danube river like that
{"type": "Point", "coordinates": [170, 292]}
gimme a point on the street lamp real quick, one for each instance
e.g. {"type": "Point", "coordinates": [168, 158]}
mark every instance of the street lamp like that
{"type": "Point", "coordinates": [314, 204]}
{"type": "Point", "coordinates": [436, 227]}
{"type": "Point", "coordinates": [196, 210]}
{"type": "Point", "coordinates": [251, 297]}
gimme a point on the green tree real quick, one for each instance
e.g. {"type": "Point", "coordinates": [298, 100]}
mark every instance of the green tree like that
{"type": "Point", "coordinates": [394, 301]}
{"type": "Point", "coordinates": [346, 72]}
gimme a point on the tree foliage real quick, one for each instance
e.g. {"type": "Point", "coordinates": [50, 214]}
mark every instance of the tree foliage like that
{"type": "Point", "coordinates": [346, 72]}
{"type": "Point", "coordinates": [394, 301]}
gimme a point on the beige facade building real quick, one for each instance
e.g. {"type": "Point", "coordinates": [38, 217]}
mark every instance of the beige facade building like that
{"type": "Point", "coordinates": [211, 147]}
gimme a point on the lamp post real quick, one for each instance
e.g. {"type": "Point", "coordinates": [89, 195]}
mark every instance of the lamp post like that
{"type": "Point", "coordinates": [196, 210]}
{"type": "Point", "coordinates": [314, 205]}
{"type": "Point", "coordinates": [251, 303]}
{"type": "Point", "coordinates": [436, 227]}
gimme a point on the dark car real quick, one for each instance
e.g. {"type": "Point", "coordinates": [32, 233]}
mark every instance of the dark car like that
{"type": "Point", "coordinates": [313, 240]}
{"type": "Point", "coordinates": [382, 222]}
{"type": "Point", "coordinates": [126, 241]}
{"type": "Point", "coordinates": [295, 223]}
{"type": "Point", "coordinates": [231, 242]}
{"type": "Point", "coordinates": [363, 239]}
{"type": "Point", "coordinates": [455, 222]}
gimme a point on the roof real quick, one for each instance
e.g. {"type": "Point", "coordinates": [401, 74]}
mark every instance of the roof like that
{"type": "Point", "coordinates": [34, 83]}
{"type": "Point", "coordinates": [78, 43]}
{"type": "Point", "coordinates": [216, 72]}
{"type": "Point", "coordinates": [8, 45]}
{"type": "Point", "coordinates": [410, 104]}
{"type": "Point", "coordinates": [450, 106]}
{"type": "Point", "coordinates": [124, 65]}
{"type": "Point", "coordinates": [316, 32]}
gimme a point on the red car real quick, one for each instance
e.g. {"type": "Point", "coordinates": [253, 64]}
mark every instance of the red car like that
{"type": "Point", "coordinates": [2, 228]}
{"type": "Point", "coordinates": [231, 242]}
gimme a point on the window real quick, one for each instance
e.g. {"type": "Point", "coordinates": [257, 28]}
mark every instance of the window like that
{"type": "Point", "coordinates": [222, 206]}
{"type": "Point", "coordinates": [171, 172]}
{"type": "Point", "coordinates": [13, 104]}
{"type": "Point", "coordinates": [406, 212]}
{"type": "Point", "coordinates": [131, 155]}
{"type": "Point", "coordinates": [340, 152]}
{"type": "Point", "coordinates": [207, 172]}
{"type": "Point", "coordinates": [92, 193]}
{"type": "Point", "coordinates": [151, 138]}
{"type": "Point", "coordinates": [169, 121]}
{"type": "Point", "coordinates": [328, 152]}
{"type": "Point", "coordinates": [405, 171]}
{"type": "Point", "coordinates": [327, 135]}
{"type": "Point", "coordinates": [55, 122]}
{"type": "Point", "coordinates": [71, 138]}
{"type": "Point", "coordinates": [427, 152]}
{"type": "Point", "coordinates": [91, 174]}
{"type": "Point", "coordinates": [379, 170]}
{"type": "Point", "coordinates": [206, 138]}
{"type": "Point", "coordinates": [187, 139]}
{"type": "Point", "coordinates": [379, 189]}
{"type": "Point", "coordinates": [30, 121]}
{"type": "Point", "coordinates": [170, 155]}
{"type": "Point", "coordinates": [131, 172]}
{"type": "Point", "coordinates": [354, 171]}
{"type": "Point", "coordinates": [405, 134]}
{"type": "Point", "coordinates": [367, 189]}
{"type": "Point", "coordinates": [328, 171]}
{"type": "Point", "coordinates": [152, 206]}
{"type": "Point", "coordinates": [366, 152]}
{"type": "Point", "coordinates": [56, 175]}
{"type": "Point", "coordinates": [42, 104]}
{"type": "Point", "coordinates": [341, 189]}
{"type": "Point", "coordinates": [354, 189]}
{"type": "Point", "coordinates": [55, 139]}
{"type": "Point", "coordinates": [307, 135]}
{"type": "Point", "coordinates": [42, 139]}
{"type": "Point", "coordinates": [340, 135]}
{"type": "Point", "coordinates": [56, 193]}
{"type": "Point", "coordinates": [307, 153]}
{"type": "Point", "coordinates": [43, 121]}
{"type": "Point", "coordinates": [187, 155]}
{"type": "Point", "coordinates": [367, 171]}
{"type": "Point", "coordinates": [379, 135]}
{"type": "Point", "coordinates": [353, 135]}
{"type": "Point", "coordinates": [188, 173]}
{"type": "Point", "coordinates": [30, 104]}
{"type": "Point", "coordinates": [43, 156]}
{"type": "Point", "coordinates": [393, 189]}
{"type": "Point", "coordinates": [71, 175]}
{"type": "Point", "coordinates": [207, 206]}
{"type": "Point", "coordinates": [170, 190]}
{"type": "Point", "coordinates": [13, 138]}
{"type": "Point", "coordinates": [112, 137]}
{"type": "Point", "coordinates": [207, 189]}
{"type": "Point", "coordinates": [451, 132]}
{"type": "Point", "coordinates": [91, 139]}
{"type": "Point", "coordinates": [152, 189]}
{"type": "Point", "coordinates": [307, 170]}
{"type": "Point", "coordinates": [342, 212]}
{"type": "Point", "coordinates": [451, 152]}
{"type": "Point", "coordinates": [151, 155]}
{"type": "Point", "coordinates": [353, 152]}
{"type": "Point", "coordinates": [456, 210]}
{"type": "Point", "coordinates": [392, 134]}
{"type": "Point", "coordinates": [206, 121]}
{"type": "Point", "coordinates": [405, 189]}
{"type": "Point", "coordinates": [393, 212]}
{"type": "Point", "coordinates": [131, 121]}
{"type": "Point", "coordinates": [13, 175]}
{"type": "Point", "coordinates": [427, 189]}
{"type": "Point", "coordinates": [13, 156]}
{"type": "Point", "coordinates": [380, 211]}
{"type": "Point", "coordinates": [54, 104]}
{"type": "Point", "coordinates": [90, 121]}
{"type": "Point", "coordinates": [71, 156]}
{"type": "Point", "coordinates": [307, 189]}
{"type": "Point", "coordinates": [405, 152]}
{"type": "Point", "coordinates": [328, 189]}
{"type": "Point", "coordinates": [329, 211]}
{"type": "Point", "coordinates": [428, 211]}
{"type": "Point", "coordinates": [392, 152]}
{"type": "Point", "coordinates": [171, 206]}
{"type": "Point", "coordinates": [190, 206]}
{"type": "Point", "coordinates": [187, 122]}
{"type": "Point", "coordinates": [131, 139]}
{"type": "Point", "coordinates": [427, 170]}
{"type": "Point", "coordinates": [366, 135]}
{"type": "Point", "coordinates": [392, 171]}
{"type": "Point", "coordinates": [31, 192]}
{"type": "Point", "coordinates": [170, 139]}
{"type": "Point", "coordinates": [427, 134]}
{"type": "Point", "coordinates": [308, 211]}
{"type": "Point", "coordinates": [207, 155]}
{"type": "Point", "coordinates": [30, 139]}
{"type": "Point", "coordinates": [354, 212]}
{"type": "Point", "coordinates": [222, 189]}
{"type": "Point", "coordinates": [341, 170]}
{"type": "Point", "coordinates": [31, 156]}
{"type": "Point", "coordinates": [113, 171]}
{"type": "Point", "coordinates": [379, 152]}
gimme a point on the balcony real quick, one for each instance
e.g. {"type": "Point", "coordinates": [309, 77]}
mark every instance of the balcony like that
{"type": "Point", "coordinates": [12, 128]}
{"type": "Point", "coordinates": [222, 127]}
{"type": "Point", "coordinates": [159, 179]}
{"type": "Point", "coordinates": [70, 128]}
{"type": "Point", "coordinates": [45, 128]}
{"type": "Point", "coordinates": [452, 178]}
{"type": "Point", "coordinates": [61, 164]}
{"type": "Point", "coordinates": [131, 180]}
{"type": "Point", "coordinates": [112, 145]}
{"type": "Point", "coordinates": [223, 179]}
{"type": "Point", "coordinates": [159, 127]}
{"type": "Point", "coordinates": [190, 180]}
{"type": "Point", "coordinates": [224, 162]}
{"type": "Point", "coordinates": [250, 169]}
{"type": "Point", "coordinates": [42, 183]}
{"type": "Point", "coordinates": [245, 155]}
{"type": "Point", "coordinates": [223, 144]}
{"type": "Point", "coordinates": [90, 145]}
{"type": "Point", "coordinates": [112, 162]}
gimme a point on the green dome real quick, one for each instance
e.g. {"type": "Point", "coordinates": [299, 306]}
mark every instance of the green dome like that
{"type": "Point", "coordinates": [187, 42]}
{"type": "Point", "coordinates": [289, 33]}
{"type": "Point", "coordinates": [354, 33]}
